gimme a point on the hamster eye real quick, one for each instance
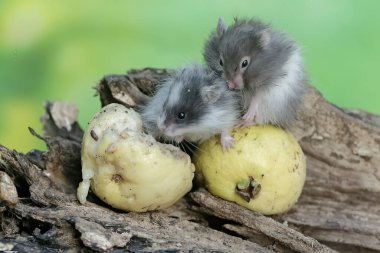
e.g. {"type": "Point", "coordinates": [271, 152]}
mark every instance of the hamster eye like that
{"type": "Point", "coordinates": [181, 115]}
{"type": "Point", "coordinates": [244, 64]}
{"type": "Point", "coordinates": [221, 62]}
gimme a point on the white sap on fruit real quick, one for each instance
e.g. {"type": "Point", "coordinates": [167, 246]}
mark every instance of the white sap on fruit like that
{"type": "Point", "coordinates": [265, 172]}
{"type": "Point", "coordinates": [128, 169]}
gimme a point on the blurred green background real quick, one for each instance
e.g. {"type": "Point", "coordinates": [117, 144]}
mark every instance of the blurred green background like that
{"type": "Point", "coordinates": [57, 50]}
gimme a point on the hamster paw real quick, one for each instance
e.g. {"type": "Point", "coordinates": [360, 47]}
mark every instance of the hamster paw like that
{"type": "Point", "coordinates": [248, 119]}
{"type": "Point", "coordinates": [227, 141]}
{"type": "Point", "coordinates": [245, 123]}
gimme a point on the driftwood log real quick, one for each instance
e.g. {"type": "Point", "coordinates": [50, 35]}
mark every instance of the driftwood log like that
{"type": "Point", "coordinates": [339, 209]}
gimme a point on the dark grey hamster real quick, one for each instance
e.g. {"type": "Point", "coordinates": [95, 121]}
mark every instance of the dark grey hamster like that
{"type": "Point", "coordinates": [264, 63]}
{"type": "Point", "coordinates": [193, 105]}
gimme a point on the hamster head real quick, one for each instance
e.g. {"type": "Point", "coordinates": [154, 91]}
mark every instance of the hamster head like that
{"type": "Point", "coordinates": [232, 50]}
{"type": "Point", "coordinates": [192, 96]}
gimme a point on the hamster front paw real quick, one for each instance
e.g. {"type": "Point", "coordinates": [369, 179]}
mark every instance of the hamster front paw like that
{"type": "Point", "coordinates": [248, 118]}
{"type": "Point", "coordinates": [245, 123]}
{"type": "Point", "coordinates": [227, 142]}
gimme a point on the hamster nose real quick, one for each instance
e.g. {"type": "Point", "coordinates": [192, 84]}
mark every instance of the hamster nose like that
{"type": "Point", "coordinates": [238, 82]}
{"type": "Point", "coordinates": [178, 139]}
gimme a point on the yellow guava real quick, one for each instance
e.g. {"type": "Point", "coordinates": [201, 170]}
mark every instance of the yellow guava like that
{"type": "Point", "coordinates": [127, 168]}
{"type": "Point", "coordinates": [265, 172]}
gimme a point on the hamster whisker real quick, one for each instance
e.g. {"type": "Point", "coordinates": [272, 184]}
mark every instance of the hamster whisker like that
{"type": "Point", "coordinates": [182, 147]}
{"type": "Point", "coordinates": [190, 151]}
{"type": "Point", "coordinates": [195, 146]}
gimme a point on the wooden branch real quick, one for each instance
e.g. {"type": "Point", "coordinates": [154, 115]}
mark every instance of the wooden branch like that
{"type": "Point", "coordinates": [340, 202]}
{"type": "Point", "coordinates": [120, 89]}
{"type": "Point", "coordinates": [42, 190]}
{"type": "Point", "coordinates": [369, 118]}
{"type": "Point", "coordinates": [267, 226]}
{"type": "Point", "coordinates": [103, 229]}
{"type": "Point", "coordinates": [60, 119]}
{"type": "Point", "coordinates": [339, 205]}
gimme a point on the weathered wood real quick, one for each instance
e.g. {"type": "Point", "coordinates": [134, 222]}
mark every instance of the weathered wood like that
{"type": "Point", "coordinates": [369, 118]}
{"type": "Point", "coordinates": [8, 191]}
{"type": "Point", "coordinates": [148, 78]}
{"type": "Point", "coordinates": [60, 119]}
{"type": "Point", "coordinates": [339, 205]}
{"type": "Point", "coordinates": [42, 190]}
{"type": "Point", "coordinates": [120, 89]}
{"type": "Point", "coordinates": [27, 245]}
{"type": "Point", "coordinates": [340, 202]}
{"type": "Point", "coordinates": [256, 236]}
{"type": "Point", "coordinates": [102, 229]}
{"type": "Point", "coordinates": [266, 225]}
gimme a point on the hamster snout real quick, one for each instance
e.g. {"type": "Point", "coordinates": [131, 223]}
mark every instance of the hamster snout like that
{"type": "Point", "coordinates": [236, 83]}
{"type": "Point", "coordinates": [168, 129]}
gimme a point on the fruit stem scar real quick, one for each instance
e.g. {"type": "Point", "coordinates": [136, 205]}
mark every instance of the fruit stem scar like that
{"type": "Point", "coordinates": [248, 188]}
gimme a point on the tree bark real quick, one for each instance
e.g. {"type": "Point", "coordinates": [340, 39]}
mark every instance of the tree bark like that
{"type": "Point", "coordinates": [339, 208]}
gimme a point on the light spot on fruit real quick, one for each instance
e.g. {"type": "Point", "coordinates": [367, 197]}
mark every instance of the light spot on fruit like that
{"type": "Point", "coordinates": [111, 148]}
{"type": "Point", "coordinates": [131, 198]}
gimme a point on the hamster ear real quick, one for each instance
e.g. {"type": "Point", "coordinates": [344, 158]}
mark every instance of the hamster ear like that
{"type": "Point", "coordinates": [210, 94]}
{"type": "Point", "coordinates": [265, 37]}
{"type": "Point", "coordinates": [222, 27]}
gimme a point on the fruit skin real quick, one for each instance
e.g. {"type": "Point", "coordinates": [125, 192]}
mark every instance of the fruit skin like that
{"type": "Point", "coordinates": [270, 155]}
{"type": "Point", "coordinates": [128, 169]}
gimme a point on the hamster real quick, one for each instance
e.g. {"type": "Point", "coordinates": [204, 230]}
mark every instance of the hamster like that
{"type": "Point", "coordinates": [192, 105]}
{"type": "Point", "coordinates": [265, 64]}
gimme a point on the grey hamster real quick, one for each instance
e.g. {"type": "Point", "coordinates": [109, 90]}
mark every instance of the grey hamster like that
{"type": "Point", "coordinates": [265, 64]}
{"type": "Point", "coordinates": [193, 105]}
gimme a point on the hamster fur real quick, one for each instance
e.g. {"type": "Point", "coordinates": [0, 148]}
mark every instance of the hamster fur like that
{"type": "Point", "coordinates": [264, 64]}
{"type": "Point", "coordinates": [193, 105]}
